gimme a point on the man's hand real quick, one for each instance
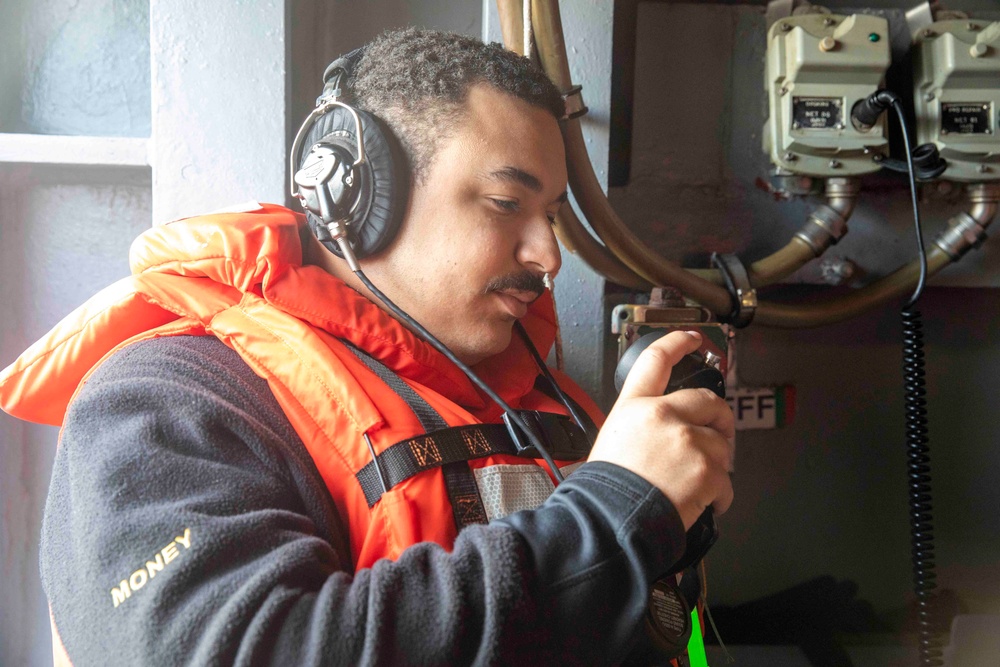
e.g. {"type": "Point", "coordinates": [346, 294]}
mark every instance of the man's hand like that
{"type": "Point", "coordinates": [681, 443]}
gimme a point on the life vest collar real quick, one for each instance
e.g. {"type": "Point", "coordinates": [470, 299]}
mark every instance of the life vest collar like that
{"type": "Point", "coordinates": [260, 251]}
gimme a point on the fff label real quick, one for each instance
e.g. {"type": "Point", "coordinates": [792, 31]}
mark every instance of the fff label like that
{"type": "Point", "coordinates": [817, 113]}
{"type": "Point", "coordinates": [761, 407]}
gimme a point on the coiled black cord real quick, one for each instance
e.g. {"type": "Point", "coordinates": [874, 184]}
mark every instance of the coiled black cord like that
{"type": "Point", "coordinates": [919, 483]}
{"type": "Point", "coordinates": [918, 462]}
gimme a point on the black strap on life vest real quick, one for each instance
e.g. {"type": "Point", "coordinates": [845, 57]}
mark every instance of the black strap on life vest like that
{"type": "Point", "coordinates": [467, 507]}
{"type": "Point", "coordinates": [451, 447]}
{"type": "Point", "coordinates": [399, 462]}
{"type": "Point", "coordinates": [545, 385]}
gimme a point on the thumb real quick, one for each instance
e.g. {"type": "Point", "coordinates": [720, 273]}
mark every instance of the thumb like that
{"type": "Point", "coordinates": [651, 372]}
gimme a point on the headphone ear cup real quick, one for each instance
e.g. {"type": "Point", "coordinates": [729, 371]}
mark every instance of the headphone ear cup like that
{"type": "Point", "coordinates": [381, 185]}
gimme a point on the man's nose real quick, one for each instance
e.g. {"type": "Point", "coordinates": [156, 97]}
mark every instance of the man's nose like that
{"type": "Point", "coordinates": [539, 249]}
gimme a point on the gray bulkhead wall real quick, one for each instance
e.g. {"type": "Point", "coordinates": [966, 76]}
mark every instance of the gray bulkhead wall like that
{"type": "Point", "coordinates": [66, 68]}
{"type": "Point", "coordinates": [208, 96]}
{"type": "Point", "coordinates": [825, 495]}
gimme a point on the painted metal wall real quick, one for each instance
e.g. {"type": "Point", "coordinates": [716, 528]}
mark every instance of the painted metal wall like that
{"type": "Point", "coordinates": [825, 495]}
{"type": "Point", "coordinates": [68, 69]}
{"type": "Point", "coordinates": [214, 104]}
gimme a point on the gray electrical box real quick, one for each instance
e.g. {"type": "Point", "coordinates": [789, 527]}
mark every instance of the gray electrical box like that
{"type": "Point", "coordinates": [818, 67]}
{"type": "Point", "coordinates": [956, 76]}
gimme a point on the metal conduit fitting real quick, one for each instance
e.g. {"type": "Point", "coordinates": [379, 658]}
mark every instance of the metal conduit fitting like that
{"type": "Point", "coordinates": [825, 227]}
{"type": "Point", "coordinates": [967, 231]}
{"type": "Point", "coordinates": [842, 194]}
{"type": "Point", "coordinates": [828, 223]}
{"type": "Point", "coordinates": [743, 294]}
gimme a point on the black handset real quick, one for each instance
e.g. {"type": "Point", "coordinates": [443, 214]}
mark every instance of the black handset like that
{"type": "Point", "coordinates": [668, 623]}
{"type": "Point", "coordinates": [692, 371]}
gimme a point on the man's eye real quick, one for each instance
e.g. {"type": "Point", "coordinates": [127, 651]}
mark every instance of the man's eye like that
{"type": "Point", "coordinates": [508, 205]}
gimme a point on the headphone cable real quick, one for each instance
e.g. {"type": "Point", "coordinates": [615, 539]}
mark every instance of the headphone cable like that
{"type": "Point", "coordinates": [548, 375]}
{"type": "Point", "coordinates": [443, 349]}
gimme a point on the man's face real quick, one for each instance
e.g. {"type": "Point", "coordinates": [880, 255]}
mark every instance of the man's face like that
{"type": "Point", "coordinates": [477, 238]}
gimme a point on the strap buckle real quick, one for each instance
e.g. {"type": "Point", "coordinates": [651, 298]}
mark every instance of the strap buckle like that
{"type": "Point", "coordinates": [564, 439]}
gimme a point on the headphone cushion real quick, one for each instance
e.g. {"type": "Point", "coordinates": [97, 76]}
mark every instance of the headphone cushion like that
{"type": "Point", "coordinates": [384, 179]}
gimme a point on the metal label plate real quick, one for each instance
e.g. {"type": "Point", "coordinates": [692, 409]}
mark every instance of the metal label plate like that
{"type": "Point", "coordinates": [817, 113]}
{"type": "Point", "coordinates": [965, 118]}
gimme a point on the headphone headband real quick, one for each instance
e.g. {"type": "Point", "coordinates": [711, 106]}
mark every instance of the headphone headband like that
{"type": "Point", "coordinates": [339, 71]}
{"type": "Point", "coordinates": [345, 63]}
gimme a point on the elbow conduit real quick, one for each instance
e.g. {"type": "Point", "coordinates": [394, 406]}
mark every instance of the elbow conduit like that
{"type": "Point", "coordinates": [626, 260]}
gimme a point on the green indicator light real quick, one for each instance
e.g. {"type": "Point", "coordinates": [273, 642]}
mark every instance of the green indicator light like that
{"type": "Point", "coordinates": [696, 645]}
{"type": "Point", "coordinates": [873, 37]}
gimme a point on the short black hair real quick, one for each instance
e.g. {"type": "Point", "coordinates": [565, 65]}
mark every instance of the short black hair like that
{"type": "Point", "coordinates": [418, 81]}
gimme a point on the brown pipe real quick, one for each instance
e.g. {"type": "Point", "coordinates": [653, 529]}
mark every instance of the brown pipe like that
{"type": "Point", "coordinates": [659, 271]}
{"type": "Point", "coordinates": [512, 24]}
{"type": "Point", "coordinates": [829, 311]}
{"type": "Point", "coordinates": [841, 197]}
{"type": "Point", "coordinates": [605, 222]}
{"type": "Point", "coordinates": [579, 241]}
{"type": "Point", "coordinates": [571, 232]}
{"type": "Point", "coordinates": [984, 198]}
{"type": "Point", "coordinates": [620, 240]}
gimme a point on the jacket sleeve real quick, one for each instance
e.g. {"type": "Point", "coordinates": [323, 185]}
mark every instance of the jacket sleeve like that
{"type": "Point", "coordinates": [186, 524]}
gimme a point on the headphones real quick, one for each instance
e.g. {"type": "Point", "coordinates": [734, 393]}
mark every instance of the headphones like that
{"type": "Point", "coordinates": [353, 180]}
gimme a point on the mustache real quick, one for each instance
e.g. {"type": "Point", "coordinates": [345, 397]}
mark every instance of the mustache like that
{"type": "Point", "coordinates": [525, 281]}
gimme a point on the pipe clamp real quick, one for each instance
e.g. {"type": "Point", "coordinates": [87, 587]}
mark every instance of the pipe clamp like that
{"type": "Point", "coordinates": [742, 293]}
{"type": "Point", "coordinates": [573, 99]}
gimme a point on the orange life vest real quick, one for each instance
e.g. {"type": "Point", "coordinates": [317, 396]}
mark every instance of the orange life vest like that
{"type": "Point", "coordinates": [239, 277]}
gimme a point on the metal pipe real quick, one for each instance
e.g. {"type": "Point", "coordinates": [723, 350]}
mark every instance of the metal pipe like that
{"type": "Point", "coordinates": [587, 189]}
{"type": "Point", "coordinates": [570, 230]}
{"type": "Point", "coordinates": [579, 241]}
{"type": "Point", "coordinates": [829, 311]}
{"type": "Point", "coordinates": [984, 198]}
{"type": "Point", "coordinates": [830, 218]}
{"type": "Point", "coordinates": [827, 224]}
{"type": "Point", "coordinates": [621, 241]}
{"type": "Point", "coordinates": [842, 195]}
{"type": "Point", "coordinates": [511, 24]}
{"type": "Point", "coordinates": [966, 231]}
{"type": "Point", "coordinates": [950, 246]}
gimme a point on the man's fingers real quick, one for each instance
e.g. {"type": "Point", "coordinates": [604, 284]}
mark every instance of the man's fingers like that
{"type": "Point", "coordinates": [651, 372]}
{"type": "Point", "coordinates": [724, 501]}
{"type": "Point", "coordinates": [702, 407]}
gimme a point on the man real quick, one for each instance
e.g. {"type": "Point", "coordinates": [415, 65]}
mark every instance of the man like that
{"type": "Point", "coordinates": [224, 490]}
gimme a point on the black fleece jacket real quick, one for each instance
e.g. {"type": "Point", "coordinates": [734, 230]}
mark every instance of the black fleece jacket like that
{"type": "Point", "coordinates": [187, 524]}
